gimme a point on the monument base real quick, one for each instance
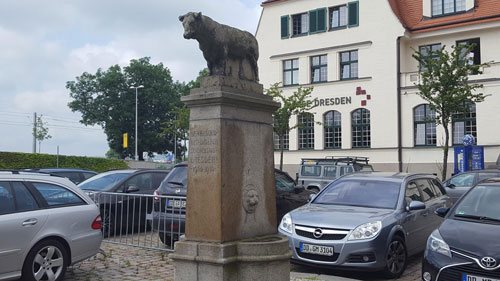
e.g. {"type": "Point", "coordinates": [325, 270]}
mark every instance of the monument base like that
{"type": "Point", "coordinates": [264, 258]}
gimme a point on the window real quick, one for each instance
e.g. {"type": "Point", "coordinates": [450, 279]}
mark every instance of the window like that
{"type": "Point", "coordinates": [464, 124]}
{"type": "Point", "coordinates": [474, 56]}
{"type": "Point", "coordinates": [7, 204]}
{"type": "Point", "coordinates": [291, 72]}
{"type": "Point", "coordinates": [57, 196]}
{"type": "Point", "coordinates": [429, 51]}
{"type": "Point", "coordinates": [24, 200]}
{"type": "Point", "coordinates": [438, 188]}
{"type": "Point", "coordinates": [319, 69]}
{"type": "Point", "coordinates": [338, 17]}
{"type": "Point", "coordinates": [483, 176]}
{"type": "Point", "coordinates": [463, 180]}
{"type": "Point", "coordinates": [306, 131]}
{"type": "Point", "coordinates": [349, 65]}
{"type": "Point", "coordinates": [446, 7]}
{"type": "Point", "coordinates": [346, 170]}
{"type": "Point", "coordinates": [317, 20]}
{"type": "Point", "coordinates": [72, 176]}
{"type": "Point", "coordinates": [412, 193]}
{"type": "Point", "coordinates": [330, 172]}
{"type": "Point", "coordinates": [332, 129]}
{"type": "Point", "coordinates": [361, 128]}
{"type": "Point", "coordinates": [311, 171]}
{"type": "Point", "coordinates": [425, 125]}
{"type": "Point", "coordinates": [283, 183]}
{"type": "Point", "coordinates": [142, 182]}
{"type": "Point", "coordinates": [428, 192]}
{"type": "Point", "coordinates": [286, 141]}
{"type": "Point", "coordinates": [300, 24]}
{"type": "Point", "coordinates": [285, 26]}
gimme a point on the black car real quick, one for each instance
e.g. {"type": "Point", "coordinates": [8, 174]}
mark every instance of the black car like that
{"type": "Point", "coordinates": [466, 246]}
{"type": "Point", "coordinates": [115, 192]}
{"type": "Point", "coordinates": [169, 214]}
{"type": "Point", "coordinates": [75, 175]}
{"type": "Point", "coordinates": [457, 185]}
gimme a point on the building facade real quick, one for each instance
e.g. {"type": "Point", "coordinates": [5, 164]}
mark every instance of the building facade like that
{"type": "Point", "coordinates": [358, 57]}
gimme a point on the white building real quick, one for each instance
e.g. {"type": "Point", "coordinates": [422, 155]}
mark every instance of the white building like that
{"type": "Point", "coordinates": [358, 57]}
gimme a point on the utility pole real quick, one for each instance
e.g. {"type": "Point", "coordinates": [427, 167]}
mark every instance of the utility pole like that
{"type": "Point", "coordinates": [34, 132]}
{"type": "Point", "coordinates": [136, 137]}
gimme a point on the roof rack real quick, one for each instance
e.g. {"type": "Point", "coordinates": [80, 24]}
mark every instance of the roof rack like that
{"type": "Point", "coordinates": [341, 159]}
{"type": "Point", "coordinates": [19, 172]}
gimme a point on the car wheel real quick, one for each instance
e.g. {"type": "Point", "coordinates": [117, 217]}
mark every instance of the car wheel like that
{"type": "Point", "coordinates": [313, 189]}
{"type": "Point", "coordinates": [166, 239]}
{"type": "Point", "coordinates": [396, 258]}
{"type": "Point", "coordinates": [46, 261]}
{"type": "Point", "coordinates": [108, 224]}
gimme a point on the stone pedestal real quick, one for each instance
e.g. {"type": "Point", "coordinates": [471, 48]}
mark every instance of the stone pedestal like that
{"type": "Point", "coordinates": [231, 198]}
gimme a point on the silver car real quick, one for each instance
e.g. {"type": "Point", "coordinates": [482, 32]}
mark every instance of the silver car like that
{"type": "Point", "coordinates": [366, 221]}
{"type": "Point", "coordinates": [46, 224]}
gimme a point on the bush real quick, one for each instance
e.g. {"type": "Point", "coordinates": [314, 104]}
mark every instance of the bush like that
{"type": "Point", "coordinates": [16, 160]}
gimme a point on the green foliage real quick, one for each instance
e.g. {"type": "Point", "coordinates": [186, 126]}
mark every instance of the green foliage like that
{"type": "Point", "coordinates": [445, 85]}
{"type": "Point", "coordinates": [40, 132]}
{"type": "Point", "coordinates": [111, 154]}
{"type": "Point", "coordinates": [105, 99]}
{"type": "Point", "coordinates": [297, 103]}
{"type": "Point", "coordinates": [15, 160]}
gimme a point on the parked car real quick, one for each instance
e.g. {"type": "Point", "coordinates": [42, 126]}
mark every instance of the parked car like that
{"type": "Point", "coordinates": [46, 224]}
{"type": "Point", "coordinates": [169, 214]}
{"type": "Point", "coordinates": [75, 175]}
{"type": "Point", "coordinates": [457, 185]}
{"type": "Point", "coordinates": [116, 192]}
{"type": "Point", "coordinates": [366, 221]}
{"type": "Point", "coordinates": [316, 173]}
{"type": "Point", "coordinates": [466, 246]}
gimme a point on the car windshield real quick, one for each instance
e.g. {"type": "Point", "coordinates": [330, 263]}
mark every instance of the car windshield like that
{"type": "Point", "coordinates": [103, 182]}
{"type": "Point", "coordinates": [480, 203]}
{"type": "Point", "coordinates": [363, 193]}
{"type": "Point", "coordinates": [283, 183]}
{"type": "Point", "coordinates": [178, 176]}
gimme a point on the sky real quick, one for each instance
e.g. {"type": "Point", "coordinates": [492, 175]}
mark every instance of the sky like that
{"type": "Point", "coordinates": [44, 44]}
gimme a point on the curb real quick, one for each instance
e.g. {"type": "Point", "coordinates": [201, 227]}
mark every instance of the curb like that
{"type": "Point", "coordinates": [297, 276]}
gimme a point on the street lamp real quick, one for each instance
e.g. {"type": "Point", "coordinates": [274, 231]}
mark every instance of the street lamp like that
{"type": "Point", "coordinates": [136, 139]}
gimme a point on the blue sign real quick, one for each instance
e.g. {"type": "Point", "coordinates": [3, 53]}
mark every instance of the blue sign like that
{"type": "Point", "coordinates": [477, 156]}
{"type": "Point", "coordinates": [468, 158]}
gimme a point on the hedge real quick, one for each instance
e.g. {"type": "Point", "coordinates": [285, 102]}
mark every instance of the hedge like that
{"type": "Point", "coordinates": [16, 160]}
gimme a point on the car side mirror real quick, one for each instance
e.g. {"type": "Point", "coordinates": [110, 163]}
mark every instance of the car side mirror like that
{"type": "Point", "coordinates": [311, 197]}
{"type": "Point", "coordinates": [132, 188]}
{"type": "Point", "coordinates": [450, 185]}
{"type": "Point", "coordinates": [416, 205]}
{"type": "Point", "coordinates": [442, 212]}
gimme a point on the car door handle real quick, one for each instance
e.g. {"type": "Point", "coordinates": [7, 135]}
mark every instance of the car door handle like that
{"type": "Point", "coordinates": [30, 222]}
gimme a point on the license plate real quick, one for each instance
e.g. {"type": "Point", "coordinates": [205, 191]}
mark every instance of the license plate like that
{"type": "Point", "coordinates": [466, 277]}
{"type": "Point", "coordinates": [176, 203]}
{"type": "Point", "coordinates": [316, 249]}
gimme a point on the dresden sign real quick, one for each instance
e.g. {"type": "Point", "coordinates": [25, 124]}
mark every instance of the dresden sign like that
{"type": "Point", "coordinates": [332, 101]}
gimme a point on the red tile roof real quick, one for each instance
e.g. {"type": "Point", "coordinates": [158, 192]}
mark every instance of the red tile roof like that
{"type": "Point", "coordinates": [410, 14]}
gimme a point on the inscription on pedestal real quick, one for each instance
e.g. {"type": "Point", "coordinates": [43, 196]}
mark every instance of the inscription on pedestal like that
{"type": "Point", "coordinates": [203, 158]}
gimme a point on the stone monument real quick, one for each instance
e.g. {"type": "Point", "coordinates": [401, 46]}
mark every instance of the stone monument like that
{"type": "Point", "coordinates": [231, 202]}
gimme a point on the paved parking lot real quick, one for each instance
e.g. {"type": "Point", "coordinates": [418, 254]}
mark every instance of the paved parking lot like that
{"type": "Point", "coordinates": [137, 264]}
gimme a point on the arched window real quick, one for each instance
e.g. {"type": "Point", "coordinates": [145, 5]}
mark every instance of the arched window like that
{"type": "Point", "coordinates": [360, 120]}
{"type": "Point", "coordinates": [332, 129]}
{"type": "Point", "coordinates": [425, 125]}
{"type": "Point", "coordinates": [277, 141]}
{"type": "Point", "coordinates": [464, 124]}
{"type": "Point", "coordinates": [306, 131]}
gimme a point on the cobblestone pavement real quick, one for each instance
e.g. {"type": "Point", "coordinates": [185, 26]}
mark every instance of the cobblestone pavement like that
{"type": "Point", "coordinates": [137, 264]}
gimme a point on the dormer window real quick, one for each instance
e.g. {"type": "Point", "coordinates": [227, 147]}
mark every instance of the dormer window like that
{"type": "Point", "coordinates": [447, 7]}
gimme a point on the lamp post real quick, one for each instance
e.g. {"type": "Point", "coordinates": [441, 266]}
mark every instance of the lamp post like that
{"type": "Point", "coordinates": [136, 138]}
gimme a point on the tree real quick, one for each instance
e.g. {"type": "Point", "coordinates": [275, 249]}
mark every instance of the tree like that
{"type": "Point", "coordinates": [445, 86]}
{"type": "Point", "coordinates": [179, 125]}
{"type": "Point", "coordinates": [105, 99]}
{"type": "Point", "coordinates": [40, 131]}
{"type": "Point", "coordinates": [297, 103]}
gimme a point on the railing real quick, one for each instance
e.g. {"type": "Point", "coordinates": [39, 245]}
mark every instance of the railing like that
{"type": "Point", "coordinates": [140, 220]}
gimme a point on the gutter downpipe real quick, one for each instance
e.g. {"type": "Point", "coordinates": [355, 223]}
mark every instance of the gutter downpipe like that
{"type": "Point", "coordinates": [398, 73]}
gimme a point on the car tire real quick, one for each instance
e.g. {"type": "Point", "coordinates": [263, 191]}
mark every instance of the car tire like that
{"type": "Point", "coordinates": [313, 189]}
{"type": "Point", "coordinates": [46, 258]}
{"type": "Point", "coordinates": [108, 224]}
{"type": "Point", "coordinates": [166, 239]}
{"type": "Point", "coordinates": [396, 259]}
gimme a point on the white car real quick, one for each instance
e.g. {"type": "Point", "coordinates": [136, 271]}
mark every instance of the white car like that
{"type": "Point", "coordinates": [46, 224]}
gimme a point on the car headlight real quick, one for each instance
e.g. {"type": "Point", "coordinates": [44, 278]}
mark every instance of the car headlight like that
{"type": "Point", "coordinates": [286, 223]}
{"type": "Point", "coordinates": [366, 231]}
{"type": "Point", "coordinates": [436, 244]}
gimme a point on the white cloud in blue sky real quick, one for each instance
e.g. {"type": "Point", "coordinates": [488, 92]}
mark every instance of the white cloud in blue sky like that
{"type": "Point", "coordinates": [46, 43]}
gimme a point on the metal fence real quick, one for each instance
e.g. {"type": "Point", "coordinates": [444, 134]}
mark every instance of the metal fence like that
{"type": "Point", "coordinates": [139, 220]}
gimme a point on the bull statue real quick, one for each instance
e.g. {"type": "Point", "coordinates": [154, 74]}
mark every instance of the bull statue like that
{"type": "Point", "coordinates": [227, 50]}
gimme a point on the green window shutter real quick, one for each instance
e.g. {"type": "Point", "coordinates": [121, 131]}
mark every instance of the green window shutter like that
{"type": "Point", "coordinates": [321, 14]}
{"type": "Point", "coordinates": [353, 14]}
{"type": "Point", "coordinates": [313, 21]}
{"type": "Point", "coordinates": [285, 27]}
